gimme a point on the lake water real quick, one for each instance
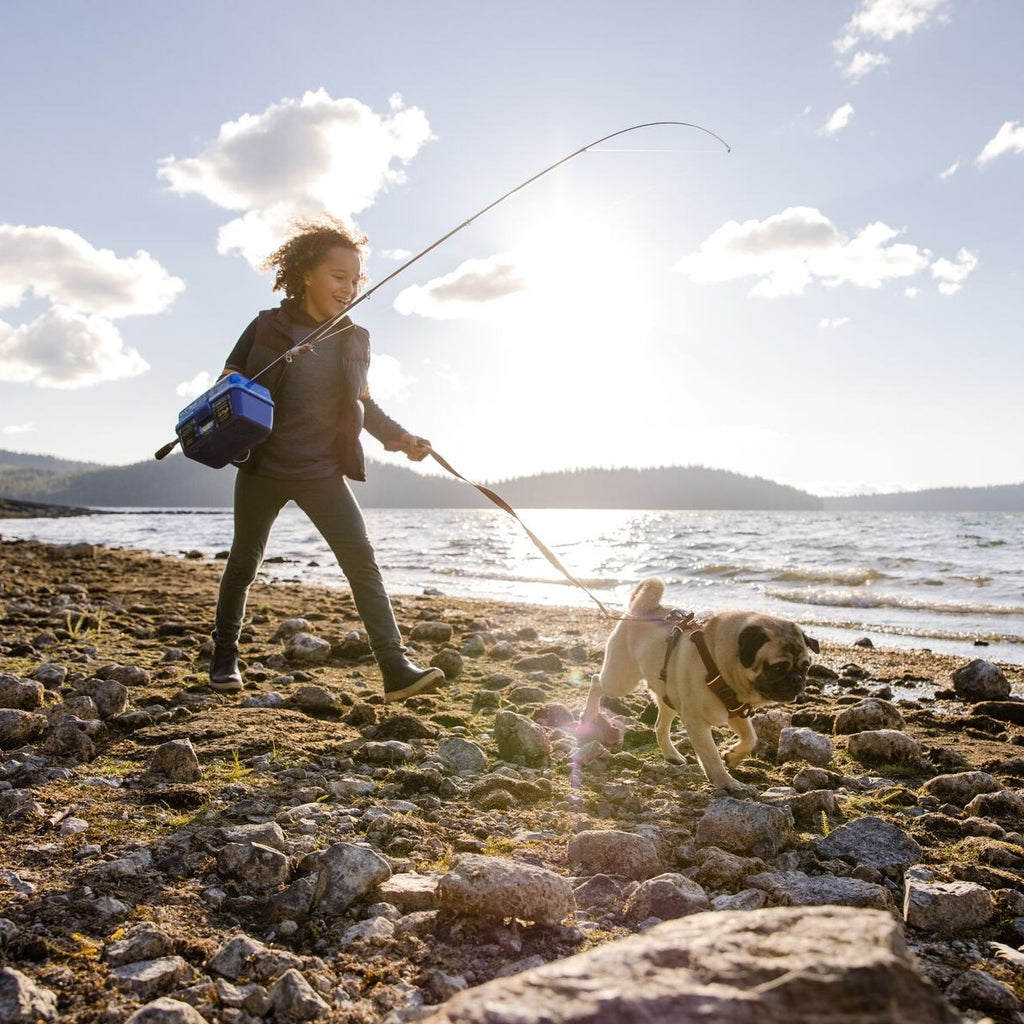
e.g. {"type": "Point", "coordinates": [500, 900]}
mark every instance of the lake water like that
{"type": "Point", "coordinates": [942, 581]}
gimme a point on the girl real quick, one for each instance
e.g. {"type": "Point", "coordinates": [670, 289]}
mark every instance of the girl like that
{"type": "Point", "coordinates": [321, 404]}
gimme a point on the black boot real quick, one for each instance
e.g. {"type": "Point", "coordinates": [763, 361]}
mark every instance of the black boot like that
{"type": "Point", "coordinates": [224, 674]}
{"type": "Point", "coordinates": [403, 679]}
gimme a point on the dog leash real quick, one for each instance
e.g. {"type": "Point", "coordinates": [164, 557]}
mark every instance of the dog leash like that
{"type": "Point", "coordinates": [498, 500]}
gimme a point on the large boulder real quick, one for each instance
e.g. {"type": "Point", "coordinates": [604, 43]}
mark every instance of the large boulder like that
{"type": "Point", "coordinates": [778, 966]}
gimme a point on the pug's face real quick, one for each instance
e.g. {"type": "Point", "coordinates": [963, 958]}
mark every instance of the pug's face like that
{"type": "Point", "coordinates": [776, 655]}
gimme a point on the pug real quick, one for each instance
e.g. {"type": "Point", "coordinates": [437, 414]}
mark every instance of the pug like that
{"type": "Point", "coordinates": [748, 660]}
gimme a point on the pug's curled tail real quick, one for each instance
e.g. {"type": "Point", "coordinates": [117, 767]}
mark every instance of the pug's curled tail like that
{"type": "Point", "coordinates": [647, 596]}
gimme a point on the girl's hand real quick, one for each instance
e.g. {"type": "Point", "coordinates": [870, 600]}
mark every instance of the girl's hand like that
{"type": "Point", "coordinates": [416, 448]}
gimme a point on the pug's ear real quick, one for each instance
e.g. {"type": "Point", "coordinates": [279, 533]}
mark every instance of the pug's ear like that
{"type": "Point", "coordinates": [752, 639]}
{"type": "Point", "coordinates": [811, 642]}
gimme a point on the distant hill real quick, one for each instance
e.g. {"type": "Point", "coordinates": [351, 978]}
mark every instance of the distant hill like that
{"type": "Point", "coordinates": [1003, 498]}
{"type": "Point", "coordinates": [178, 482]}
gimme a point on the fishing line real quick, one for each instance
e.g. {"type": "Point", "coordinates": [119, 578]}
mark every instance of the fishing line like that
{"type": "Point", "coordinates": [324, 330]}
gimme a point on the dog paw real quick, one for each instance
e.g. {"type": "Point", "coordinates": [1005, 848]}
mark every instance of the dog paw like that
{"type": "Point", "coordinates": [733, 787]}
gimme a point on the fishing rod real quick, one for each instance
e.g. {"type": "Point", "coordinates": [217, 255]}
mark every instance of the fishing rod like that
{"type": "Point", "coordinates": [329, 328]}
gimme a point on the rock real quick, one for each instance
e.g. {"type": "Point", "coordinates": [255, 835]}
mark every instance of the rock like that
{"type": "Point", "coordinates": [884, 746]}
{"type": "Point", "coordinates": [502, 651]}
{"type": "Point", "coordinates": [293, 998]}
{"type": "Point", "coordinates": [22, 1001]}
{"type": "Point", "coordinates": [244, 956]}
{"type": "Point", "coordinates": [494, 888]}
{"type": "Point", "coordinates": [410, 892]}
{"type": "Point", "coordinates": [520, 740]}
{"type": "Point", "coordinates": [778, 966]}
{"type": "Point", "coordinates": [797, 889]}
{"type": "Point", "coordinates": [549, 662]}
{"type": "Point", "coordinates": [867, 716]}
{"type": "Point", "coordinates": [768, 724]}
{"type": "Point", "coordinates": [19, 727]}
{"type": "Point", "coordinates": [306, 649]}
{"type": "Point", "coordinates": [142, 942]}
{"type": "Point", "coordinates": [290, 627]}
{"type": "Point", "coordinates": [461, 755]}
{"type": "Point", "coordinates": [665, 896]}
{"type": "Point", "coordinates": [962, 787]}
{"type": "Point", "coordinates": [947, 907]}
{"type": "Point", "coordinates": [24, 694]}
{"type": "Point", "coordinates": [432, 632]}
{"type": "Point", "coordinates": [126, 675]}
{"type": "Point", "coordinates": [978, 990]}
{"type": "Point", "coordinates": [745, 899]}
{"type": "Point", "coordinates": [110, 696]}
{"type": "Point", "coordinates": [1001, 710]}
{"type": "Point", "coordinates": [176, 760]}
{"type": "Point", "coordinates": [254, 865]}
{"type": "Point", "coordinates": [980, 680]}
{"type": "Point", "coordinates": [474, 647]}
{"type": "Point", "coordinates": [1006, 807]}
{"type": "Point", "coordinates": [449, 662]}
{"type": "Point", "coordinates": [719, 869]}
{"type": "Point", "coordinates": [874, 842]}
{"type": "Point", "coordinates": [316, 699]}
{"type": "Point", "coordinates": [69, 739]}
{"type": "Point", "coordinates": [611, 852]}
{"type": "Point", "coordinates": [746, 828]}
{"type": "Point", "coordinates": [388, 752]}
{"type": "Point", "coordinates": [166, 1011]}
{"type": "Point", "coordinates": [149, 978]}
{"type": "Point", "coordinates": [346, 872]}
{"type": "Point", "coordinates": [797, 744]}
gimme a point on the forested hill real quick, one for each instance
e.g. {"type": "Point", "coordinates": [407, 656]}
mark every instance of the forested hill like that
{"type": "Point", "coordinates": [180, 483]}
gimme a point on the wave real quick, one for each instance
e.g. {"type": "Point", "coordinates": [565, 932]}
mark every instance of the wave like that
{"type": "Point", "coordinates": [839, 599]}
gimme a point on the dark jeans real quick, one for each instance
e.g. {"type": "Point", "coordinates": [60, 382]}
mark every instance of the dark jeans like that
{"type": "Point", "coordinates": [333, 510]}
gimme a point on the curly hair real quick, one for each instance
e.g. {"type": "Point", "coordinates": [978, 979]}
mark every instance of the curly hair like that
{"type": "Point", "coordinates": [305, 250]}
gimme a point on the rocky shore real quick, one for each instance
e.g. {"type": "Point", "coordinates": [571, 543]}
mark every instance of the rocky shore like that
{"type": "Point", "coordinates": [304, 851]}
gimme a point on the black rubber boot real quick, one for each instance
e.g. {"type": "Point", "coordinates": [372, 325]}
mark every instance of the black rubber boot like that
{"type": "Point", "coordinates": [403, 679]}
{"type": "Point", "coordinates": [224, 674]}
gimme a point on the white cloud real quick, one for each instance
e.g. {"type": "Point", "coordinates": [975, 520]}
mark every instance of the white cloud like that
{"type": "Point", "coordinates": [838, 121]}
{"type": "Point", "coordinates": [202, 381]}
{"type": "Point", "coordinates": [1009, 139]}
{"type": "Point", "coordinates": [887, 19]}
{"type": "Point", "coordinates": [387, 381]}
{"type": "Point", "coordinates": [66, 349]}
{"type": "Point", "coordinates": [950, 275]}
{"type": "Point", "coordinates": [830, 323]}
{"type": "Point", "coordinates": [73, 344]}
{"type": "Point", "coordinates": [471, 291]}
{"type": "Point", "coordinates": [950, 170]}
{"type": "Point", "coordinates": [790, 250]}
{"type": "Point", "coordinates": [298, 158]}
{"type": "Point", "coordinates": [863, 63]}
{"type": "Point", "coordinates": [61, 266]}
{"type": "Point", "coordinates": [14, 429]}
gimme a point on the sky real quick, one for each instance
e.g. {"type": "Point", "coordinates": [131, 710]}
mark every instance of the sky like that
{"type": "Point", "coordinates": [820, 284]}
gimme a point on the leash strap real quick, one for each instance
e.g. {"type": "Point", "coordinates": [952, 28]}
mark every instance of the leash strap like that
{"type": "Point", "coordinates": [715, 683]}
{"type": "Point", "coordinates": [498, 500]}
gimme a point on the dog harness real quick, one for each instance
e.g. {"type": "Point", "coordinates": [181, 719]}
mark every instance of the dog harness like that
{"type": "Point", "coordinates": [714, 682]}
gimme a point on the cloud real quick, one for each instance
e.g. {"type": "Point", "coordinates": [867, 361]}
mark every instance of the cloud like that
{"type": "Point", "coordinates": [863, 63]}
{"type": "Point", "coordinates": [790, 250]}
{"type": "Point", "coordinates": [887, 19]}
{"type": "Point", "coordinates": [838, 121]}
{"type": "Point", "coordinates": [472, 290]}
{"type": "Point", "coordinates": [14, 429]}
{"type": "Point", "coordinates": [66, 350]}
{"type": "Point", "coordinates": [73, 344]}
{"type": "Point", "coordinates": [1009, 139]}
{"type": "Point", "coordinates": [298, 158]}
{"type": "Point", "coordinates": [387, 381]}
{"type": "Point", "coordinates": [202, 381]}
{"type": "Point", "coordinates": [61, 266]}
{"type": "Point", "coordinates": [950, 170]}
{"type": "Point", "coordinates": [950, 275]}
{"type": "Point", "coordinates": [831, 323]}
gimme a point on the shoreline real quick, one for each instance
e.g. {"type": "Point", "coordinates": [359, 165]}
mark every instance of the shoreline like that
{"type": "Point", "coordinates": [128, 875]}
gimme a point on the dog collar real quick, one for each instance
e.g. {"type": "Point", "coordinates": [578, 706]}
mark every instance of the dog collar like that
{"type": "Point", "coordinates": [715, 683]}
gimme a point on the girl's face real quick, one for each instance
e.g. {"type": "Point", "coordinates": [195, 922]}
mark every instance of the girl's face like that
{"type": "Point", "coordinates": [332, 284]}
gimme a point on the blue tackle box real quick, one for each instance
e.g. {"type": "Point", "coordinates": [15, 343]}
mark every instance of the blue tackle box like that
{"type": "Point", "coordinates": [225, 422]}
